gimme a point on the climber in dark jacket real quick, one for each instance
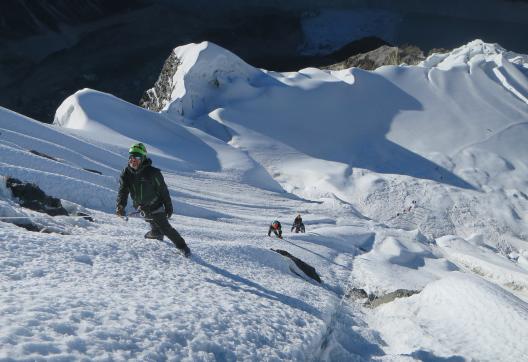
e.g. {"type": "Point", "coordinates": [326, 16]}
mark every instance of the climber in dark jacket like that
{"type": "Point", "coordinates": [298, 224]}
{"type": "Point", "coordinates": [276, 227]}
{"type": "Point", "coordinates": [149, 194]}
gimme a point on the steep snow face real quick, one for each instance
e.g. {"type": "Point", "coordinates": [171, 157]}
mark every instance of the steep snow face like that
{"type": "Point", "coordinates": [457, 120]}
{"type": "Point", "coordinates": [469, 95]}
{"type": "Point", "coordinates": [472, 54]}
{"type": "Point", "coordinates": [207, 72]}
{"type": "Point", "coordinates": [87, 110]}
{"type": "Point", "coordinates": [73, 157]}
{"type": "Point", "coordinates": [112, 122]}
{"type": "Point", "coordinates": [482, 79]}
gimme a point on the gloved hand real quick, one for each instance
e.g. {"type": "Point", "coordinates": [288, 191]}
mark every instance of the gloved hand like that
{"type": "Point", "coordinates": [120, 210]}
{"type": "Point", "coordinates": [168, 211]}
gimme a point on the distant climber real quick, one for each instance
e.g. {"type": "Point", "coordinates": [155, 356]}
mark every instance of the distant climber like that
{"type": "Point", "coordinates": [276, 227]}
{"type": "Point", "coordinates": [150, 195]}
{"type": "Point", "coordinates": [298, 224]}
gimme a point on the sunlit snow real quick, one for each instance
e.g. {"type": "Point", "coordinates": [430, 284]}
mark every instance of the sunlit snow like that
{"type": "Point", "coordinates": [408, 178]}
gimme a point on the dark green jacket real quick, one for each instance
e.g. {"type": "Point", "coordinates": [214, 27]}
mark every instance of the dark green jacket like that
{"type": "Point", "coordinates": [146, 187]}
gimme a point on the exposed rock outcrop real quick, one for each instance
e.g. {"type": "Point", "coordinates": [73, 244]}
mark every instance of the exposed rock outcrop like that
{"type": "Point", "coordinates": [356, 294]}
{"type": "Point", "coordinates": [92, 171]}
{"type": "Point", "coordinates": [42, 154]}
{"type": "Point", "coordinates": [307, 269]}
{"type": "Point", "coordinates": [157, 97]}
{"type": "Point", "coordinates": [194, 78]}
{"type": "Point", "coordinates": [372, 301]}
{"type": "Point", "coordinates": [389, 297]}
{"type": "Point", "coordinates": [32, 197]}
{"type": "Point", "coordinates": [384, 55]}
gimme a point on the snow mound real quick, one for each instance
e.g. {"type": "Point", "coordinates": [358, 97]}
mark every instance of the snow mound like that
{"type": "Point", "coordinates": [485, 262]}
{"type": "Point", "coordinates": [110, 122]}
{"type": "Point", "coordinates": [207, 72]}
{"type": "Point", "coordinates": [451, 317]}
{"type": "Point", "coordinates": [471, 52]}
{"type": "Point", "coordinates": [402, 260]}
{"type": "Point", "coordinates": [508, 68]}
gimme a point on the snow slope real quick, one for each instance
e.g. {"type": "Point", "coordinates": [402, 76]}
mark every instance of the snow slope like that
{"type": "Point", "coordinates": [407, 178]}
{"type": "Point", "coordinates": [457, 120]}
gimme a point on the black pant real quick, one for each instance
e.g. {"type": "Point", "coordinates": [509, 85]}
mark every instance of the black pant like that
{"type": "Point", "coordinates": [278, 233]}
{"type": "Point", "coordinates": [160, 224]}
{"type": "Point", "coordinates": [298, 227]}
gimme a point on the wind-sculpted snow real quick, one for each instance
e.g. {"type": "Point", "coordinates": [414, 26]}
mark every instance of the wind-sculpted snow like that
{"type": "Point", "coordinates": [323, 133]}
{"type": "Point", "coordinates": [111, 121]}
{"type": "Point", "coordinates": [407, 178]}
{"type": "Point", "coordinates": [482, 260]}
{"type": "Point", "coordinates": [457, 310]}
{"type": "Point", "coordinates": [205, 70]}
{"type": "Point", "coordinates": [399, 260]}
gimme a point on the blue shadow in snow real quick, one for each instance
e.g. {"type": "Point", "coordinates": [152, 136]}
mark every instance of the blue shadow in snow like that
{"type": "Point", "coordinates": [317, 254]}
{"type": "Point", "coordinates": [242, 284]}
{"type": "Point", "coordinates": [187, 151]}
{"type": "Point", "coordinates": [427, 356]}
{"type": "Point", "coordinates": [409, 259]}
{"type": "Point", "coordinates": [356, 243]}
{"type": "Point", "coordinates": [341, 122]}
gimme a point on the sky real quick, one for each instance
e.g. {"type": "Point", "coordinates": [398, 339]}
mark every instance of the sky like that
{"type": "Point", "coordinates": [407, 178]}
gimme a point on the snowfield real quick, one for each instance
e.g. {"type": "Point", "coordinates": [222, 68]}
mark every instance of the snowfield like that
{"type": "Point", "coordinates": [411, 180]}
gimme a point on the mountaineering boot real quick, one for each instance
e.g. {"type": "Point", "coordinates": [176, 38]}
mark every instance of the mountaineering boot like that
{"type": "Point", "coordinates": [154, 235]}
{"type": "Point", "coordinates": [185, 251]}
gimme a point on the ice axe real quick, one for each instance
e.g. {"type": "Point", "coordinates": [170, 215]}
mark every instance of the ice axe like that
{"type": "Point", "coordinates": [137, 212]}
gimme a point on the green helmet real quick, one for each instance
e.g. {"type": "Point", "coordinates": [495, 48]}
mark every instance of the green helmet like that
{"type": "Point", "coordinates": [138, 149]}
